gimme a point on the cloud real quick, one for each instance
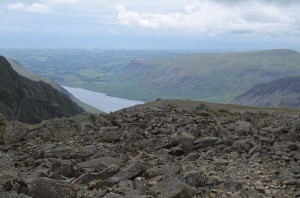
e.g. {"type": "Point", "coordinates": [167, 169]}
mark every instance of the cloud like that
{"type": "Point", "coordinates": [216, 17]}
{"type": "Point", "coordinates": [34, 7]}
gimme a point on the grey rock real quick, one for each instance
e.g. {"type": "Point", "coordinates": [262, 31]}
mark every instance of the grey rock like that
{"type": "Point", "coordinates": [130, 172]}
{"type": "Point", "coordinates": [49, 188]}
{"type": "Point", "coordinates": [171, 187]}
{"type": "Point", "coordinates": [99, 164]}
{"type": "Point", "coordinates": [171, 169]}
{"type": "Point", "coordinates": [13, 194]}
{"type": "Point", "coordinates": [195, 178]}
{"type": "Point", "coordinates": [66, 168]}
{"type": "Point", "coordinates": [243, 127]}
{"type": "Point", "coordinates": [205, 142]}
{"type": "Point", "coordinates": [176, 151]}
{"type": "Point", "coordinates": [111, 136]}
{"type": "Point", "coordinates": [139, 183]}
{"type": "Point", "coordinates": [14, 132]}
{"type": "Point", "coordinates": [293, 146]}
{"type": "Point", "coordinates": [186, 144]}
{"type": "Point", "coordinates": [112, 195]}
{"type": "Point", "coordinates": [59, 152]}
{"type": "Point", "coordinates": [107, 173]}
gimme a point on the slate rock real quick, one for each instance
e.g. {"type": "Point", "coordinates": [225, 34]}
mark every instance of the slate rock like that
{"type": "Point", "coordinates": [49, 188]}
{"type": "Point", "coordinates": [205, 142]}
{"type": "Point", "coordinates": [171, 187]}
{"type": "Point", "coordinates": [111, 136]}
{"type": "Point", "coordinates": [14, 132]}
{"type": "Point", "coordinates": [66, 168]}
{"type": "Point", "coordinates": [293, 147]}
{"type": "Point", "coordinates": [13, 194]}
{"type": "Point", "coordinates": [88, 177]}
{"type": "Point", "coordinates": [195, 178]}
{"type": "Point", "coordinates": [133, 170]}
{"type": "Point", "coordinates": [99, 164]}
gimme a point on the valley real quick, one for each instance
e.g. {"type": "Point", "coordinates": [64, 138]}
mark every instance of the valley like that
{"type": "Point", "coordinates": [146, 75]}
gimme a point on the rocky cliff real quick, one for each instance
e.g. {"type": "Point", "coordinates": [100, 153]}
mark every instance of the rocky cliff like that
{"type": "Point", "coordinates": [161, 150]}
{"type": "Point", "coordinates": [29, 101]}
{"type": "Point", "coordinates": [283, 92]}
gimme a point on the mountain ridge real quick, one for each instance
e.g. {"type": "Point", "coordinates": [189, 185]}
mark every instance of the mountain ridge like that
{"type": "Point", "coordinates": [30, 101]}
{"type": "Point", "coordinates": [282, 92]}
{"type": "Point", "coordinates": [35, 77]}
{"type": "Point", "coordinates": [210, 77]}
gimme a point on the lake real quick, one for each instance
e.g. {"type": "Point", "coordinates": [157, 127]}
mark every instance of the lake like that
{"type": "Point", "coordinates": [100, 100]}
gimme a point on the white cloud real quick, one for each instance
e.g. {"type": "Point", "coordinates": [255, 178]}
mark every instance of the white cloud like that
{"type": "Point", "coordinates": [208, 17]}
{"type": "Point", "coordinates": [34, 7]}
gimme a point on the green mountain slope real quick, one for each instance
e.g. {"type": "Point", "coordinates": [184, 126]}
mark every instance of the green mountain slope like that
{"type": "Point", "coordinates": [210, 77]}
{"type": "Point", "coordinates": [283, 92]}
{"type": "Point", "coordinates": [30, 101]}
{"type": "Point", "coordinates": [30, 75]}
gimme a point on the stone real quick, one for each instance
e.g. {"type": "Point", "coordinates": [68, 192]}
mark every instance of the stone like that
{"type": "Point", "coordinates": [176, 151]}
{"type": "Point", "coordinates": [14, 132]}
{"type": "Point", "coordinates": [99, 164]}
{"type": "Point", "coordinates": [130, 172]}
{"type": "Point", "coordinates": [243, 127]}
{"type": "Point", "coordinates": [112, 195]}
{"type": "Point", "coordinates": [13, 194]}
{"type": "Point", "coordinates": [88, 177]}
{"type": "Point", "coordinates": [49, 188]}
{"type": "Point", "coordinates": [171, 187]}
{"type": "Point", "coordinates": [66, 168]}
{"type": "Point", "coordinates": [293, 147]}
{"type": "Point", "coordinates": [195, 178]}
{"type": "Point", "coordinates": [205, 142]}
{"type": "Point", "coordinates": [139, 183]}
{"type": "Point", "coordinates": [171, 169]}
{"type": "Point", "coordinates": [111, 136]}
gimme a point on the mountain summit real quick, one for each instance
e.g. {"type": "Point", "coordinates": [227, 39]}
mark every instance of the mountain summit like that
{"type": "Point", "coordinates": [30, 101]}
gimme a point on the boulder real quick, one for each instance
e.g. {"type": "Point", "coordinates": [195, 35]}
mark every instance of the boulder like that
{"type": "Point", "coordinates": [99, 164]}
{"type": "Point", "coordinates": [49, 188]}
{"type": "Point", "coordinates": [171, 187]}
{"type": "Point", "coordinates": [107, 173]}
{"type": "Point", "coordinates": [14, 132]}
{"type": "Point", "coordinates": [195, 178]}
{"type": "Point", "coordinates": [133, 170]}
{"type": "Point", "coordinates": [66, 168]}
{"type": "Point", "coordinates": [13, 194]}
{"type": "Point", "coordinates": [205, 142]}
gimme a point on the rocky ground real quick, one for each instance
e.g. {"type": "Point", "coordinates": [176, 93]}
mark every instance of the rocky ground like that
{"type": "Point", "coordinates": [153, 151]}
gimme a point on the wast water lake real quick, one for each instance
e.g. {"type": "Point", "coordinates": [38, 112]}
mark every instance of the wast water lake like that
{"type": "Point", "coordinates": [100, 100]}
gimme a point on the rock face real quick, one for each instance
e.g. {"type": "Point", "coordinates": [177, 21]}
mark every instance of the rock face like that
{"type": "Point", "coordinates": [175, 152]}
{"type": "Point", "coordinates": [283, 92]}
{"type": "Point", "coordinates": [29, 101]}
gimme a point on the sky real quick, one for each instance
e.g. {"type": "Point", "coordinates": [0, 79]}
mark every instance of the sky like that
{"type": "Point", "coordinates": [150, 24]}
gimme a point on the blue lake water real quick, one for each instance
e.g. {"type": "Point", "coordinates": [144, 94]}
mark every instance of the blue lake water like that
{"type": "Point", "coordinates": [100, 100]}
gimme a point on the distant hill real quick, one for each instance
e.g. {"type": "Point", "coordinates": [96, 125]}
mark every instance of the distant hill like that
{"type": "Point", "coordinates": [283, 92]}
{"type": "Point", "coordinates": [209, 77]}
{"type": "Point", "coordinates": [35, 77]}
{"type": "Point", "coordinates": [31, 101]}
{"type": "Point", "coordinates": [149, 74]}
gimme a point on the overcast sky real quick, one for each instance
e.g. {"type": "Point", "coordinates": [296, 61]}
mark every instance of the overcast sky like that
{"type": "Point", "coordinates": [150, 24]}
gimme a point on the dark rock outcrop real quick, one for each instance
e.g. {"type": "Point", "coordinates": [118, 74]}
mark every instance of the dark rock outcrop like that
{"type": "Point", "coordinates": [29, 101]}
